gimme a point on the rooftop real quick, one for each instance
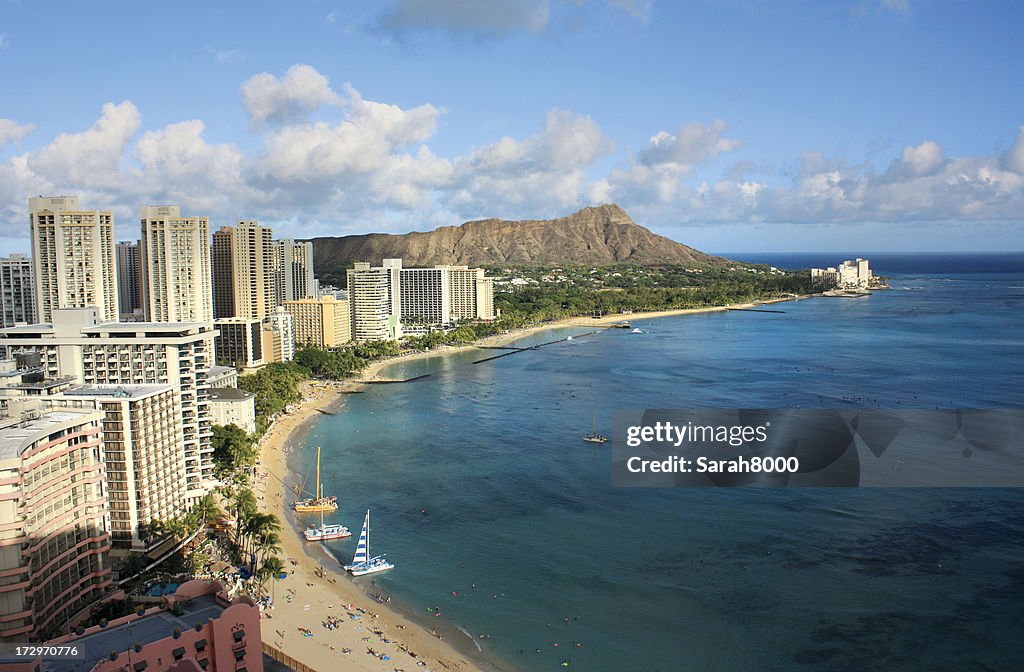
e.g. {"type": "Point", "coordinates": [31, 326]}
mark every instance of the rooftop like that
{"type": "Point", "coordinates": [229, 394]}
{"type": "Point", "coordinates": [146, 630]}
{"type": "Point", "coordinates": [17, 433]}
{"type": "Point", "coordinates": [117, 391]}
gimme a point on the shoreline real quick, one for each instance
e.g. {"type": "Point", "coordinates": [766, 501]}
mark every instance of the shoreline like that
{"type": "Point", "coordinates": [315, 590]}
{"type": "Point", "coordinates": [372, 371]}
{"type": "Point", "coordinates": [309, 575]}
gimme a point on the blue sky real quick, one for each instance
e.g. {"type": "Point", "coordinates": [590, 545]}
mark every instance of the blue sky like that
{"type": "Point", "coordinates": [741, 125]}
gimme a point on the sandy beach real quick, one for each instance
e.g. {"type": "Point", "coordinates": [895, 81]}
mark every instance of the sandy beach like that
{"type": "Point", "coordinates": [372, 372]}
{"type": "Point", "coordinates": [374, 636]}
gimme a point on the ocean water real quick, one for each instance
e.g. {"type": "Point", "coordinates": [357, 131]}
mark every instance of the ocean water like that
{"type": "Point", "coordinates": [504, 523]}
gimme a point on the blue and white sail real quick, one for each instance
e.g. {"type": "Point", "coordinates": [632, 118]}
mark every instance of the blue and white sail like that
{"type": "Point", "coordinates": [362, 562]}
{"type": "Point", "coordinates": [363, 547]}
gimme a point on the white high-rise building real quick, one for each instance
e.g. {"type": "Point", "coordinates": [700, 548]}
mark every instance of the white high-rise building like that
{"type": "Point", "coordinates": [370, 303]}
{"type": "Point", "coordinates": [17, 291]}
{"type": "Point", "coordinates": [129, 289]}
{"type": "Point", "coordinates": [144, 465]}
{"type": "Point", "coordinates": [390, 301]}
{"type": "Point", "coordinates": [77, 347]}
{"type": "Point", "coordinates": [293, 270]}
{"type": "Point", "coordinates": [73, 257]}
{"type": "Point", "coordinates": [176, 273]}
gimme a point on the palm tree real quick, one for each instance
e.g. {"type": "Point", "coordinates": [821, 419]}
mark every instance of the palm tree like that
{"type": "Point", "coordinates": [258, 526]}
{"type": "Point", "coordinates": [244, 509]}
{"type": "Point", "coordinates": [206, 509]}
{"type": "Point", "coordinates": [268, 543]}
{"type": "Point", "coordinates": [272, 567]}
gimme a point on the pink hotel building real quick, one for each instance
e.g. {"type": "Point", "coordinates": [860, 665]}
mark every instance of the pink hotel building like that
{"type": "Point", "coordinates": [54, 539]}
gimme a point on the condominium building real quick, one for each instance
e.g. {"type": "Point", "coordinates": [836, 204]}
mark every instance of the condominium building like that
{"type": "Point", "coordinates": [132, 353]}
{"type": "Point", "coordinates": [142, 454]}
{"type": "Point", "coordinates": [390, 301]}
{"type": "Point", "coordinates": [129, 282]}
{"type": "Point", "coordinates": [176, 274]}
{"type": "Point", "coordinates": [232, 406]}
{"type": "Point", "coordinates": [54, 544]}
{"type": "Point", "coordinates": [17, 291]}
{"type": "Point", "coordinates": [222, 376]}
{"type": "Point", "coordinates": [293, 270]}
{"type": "Point", "coordinates": [374, 301]}
{"type": "Point", "coordinates": [239, 342]}
{"type": "Point", "coordinates": [72, 257]}
{"type": "Point", "coordinates": [323, 322]}
{"type": "Point", "coordinates": [425, 298]}
{"type": "Point", "coordinates": [243, 271]}
{"type": "Point", "coordinates": [279, 336]}
{"type": "Point", "coordinates": [851, 274]}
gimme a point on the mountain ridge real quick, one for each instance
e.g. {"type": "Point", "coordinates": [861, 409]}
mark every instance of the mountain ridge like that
{"type": "Point", "coordinates": [595, 235]}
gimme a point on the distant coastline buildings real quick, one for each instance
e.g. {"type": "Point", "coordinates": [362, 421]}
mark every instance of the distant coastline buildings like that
{"type": "Point", "coordinates": [391, 301]}
{"type": "Point", "coordinates": [851, 274]}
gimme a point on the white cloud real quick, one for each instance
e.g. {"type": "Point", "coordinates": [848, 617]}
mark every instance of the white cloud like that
{"type": "Point", "coordinates": [919, 160]}
{"type": "Point", "coordinates": [370, 166]}
{"type": "Point", "coordinates": [638, 8]}
{"type": "Point", "coordinates": [546, 172]}
{"type": "Point", "coordinates": [225, 55]}
{"type": "Point", "coordinates": [468, 17]}
{"type": "Point", "coordinates": [1013, 160]}
{"type": "Point", "coordinates": [898, 6]}
{"type": "Point", "coordinates": [691, 144]}
{"type": "Point", "coordinates": [270, 99]}
{"type": "Point", "coordinates": [12, 131]}
{"type": "Point", "coordinates": [94, 156]}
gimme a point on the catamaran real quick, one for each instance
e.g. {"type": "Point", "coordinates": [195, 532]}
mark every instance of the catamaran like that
{"type": "Point", "coordinates": [593, 436]}
{"type": "Point", "coordinates": [318, 502]}
{"type": "Point", "coordinates": [323, 532]}
{"type": "Point", "coordinates": [362, 563]}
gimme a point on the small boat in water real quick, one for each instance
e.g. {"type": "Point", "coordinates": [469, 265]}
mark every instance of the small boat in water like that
{"type": "Point", "coordinates": [324, 532]}
{"type": "Point", "coordinates": [318, 502]}
{"type": "Point", "coordinates": [362, 562]}
{"type": "Point", "coordinates": [637, 331]}
{"type": "Point", "coordinates": [593, 436]}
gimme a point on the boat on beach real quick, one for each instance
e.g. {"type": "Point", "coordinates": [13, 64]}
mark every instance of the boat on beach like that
{"type": "Point", "coordinates": [318, 502]}
{"type": "Point", "coordinates": [362, 562]}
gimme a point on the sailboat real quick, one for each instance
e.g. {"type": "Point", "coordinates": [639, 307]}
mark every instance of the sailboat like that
{"type": "Point", "coordinates": [318, 502]}
{"type": "Point", "coordinates": [324, 532]}
{"type": "Point", "coordinates": [362, 563]}
{"type": "Point", "coordinates": [593, 436]}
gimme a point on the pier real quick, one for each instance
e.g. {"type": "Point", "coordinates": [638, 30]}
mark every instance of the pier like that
{"type": "Point", "coordinates": [393, 381]}
{"type": "Point", "coordinates": [513, 350]}
{"type": "Point", "coordinates": [753, 310]}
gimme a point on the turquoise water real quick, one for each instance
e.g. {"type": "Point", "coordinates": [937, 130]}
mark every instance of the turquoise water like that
{"type": "Point", "coordinates": [503, 521]}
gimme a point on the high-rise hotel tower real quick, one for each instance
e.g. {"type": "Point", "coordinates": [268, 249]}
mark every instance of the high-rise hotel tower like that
{"type": "Point", "coordinates": [73, 257]}
{"type": "Point", "coordinates": [175, 254]}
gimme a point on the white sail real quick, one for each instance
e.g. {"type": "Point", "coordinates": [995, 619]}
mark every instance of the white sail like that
{"type": "Point", "coordinates": [363, 546]}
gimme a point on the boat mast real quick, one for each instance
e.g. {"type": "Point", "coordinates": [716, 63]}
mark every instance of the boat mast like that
{"type": "Point", "coordinates": [319, 488]}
